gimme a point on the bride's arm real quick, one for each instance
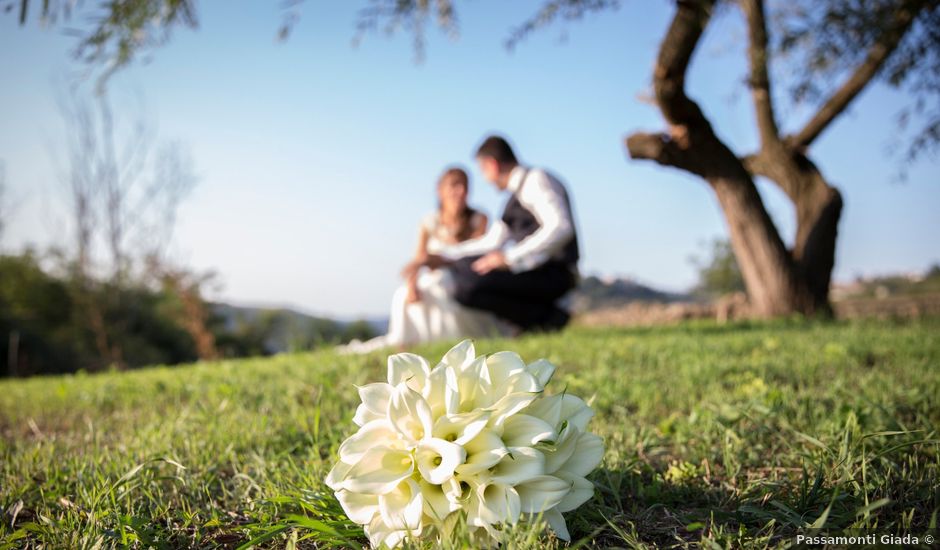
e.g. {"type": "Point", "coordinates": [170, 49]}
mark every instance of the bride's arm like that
{"type": "Point", "coordinates": [410, 272]}
{"type": "Point", "coordinates": [422, 251]}
{"type": "Point", "coordinates": [480, 222]}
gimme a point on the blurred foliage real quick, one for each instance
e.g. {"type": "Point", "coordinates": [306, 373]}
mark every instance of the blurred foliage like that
{"type": "Point", "coordinates": [818, 43]}
{"type": "Point", "coordinates": [44, 329]}
{"type": "Point", "coordinates": [358, 330]}
{"type": "Point", "coordinates": [36, 318]}
{"type": "Point", "coordinates": [718, 273]}
{"type": "Point", "coordinates": [121, 29]}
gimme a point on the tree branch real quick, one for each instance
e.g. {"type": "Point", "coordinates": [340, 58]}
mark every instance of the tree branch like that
{"type": "Point", "coordinates": [863, 74]}
{"type": "Point", "coordinates": [673, 61]}
{"type": "Point", "coordinates": [659, 148]}
{"type": "Point", "coordinates": [759, 80]}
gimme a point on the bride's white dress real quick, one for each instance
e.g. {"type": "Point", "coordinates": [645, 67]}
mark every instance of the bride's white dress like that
{"type": "Point", "coordinates": [437, 315]}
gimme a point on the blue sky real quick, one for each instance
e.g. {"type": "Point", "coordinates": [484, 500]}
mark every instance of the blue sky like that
{"type": "Point", "coordinates": [317, 159]}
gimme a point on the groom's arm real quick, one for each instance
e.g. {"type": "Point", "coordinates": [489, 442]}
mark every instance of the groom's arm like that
{"type": "Point", "coordinates": [493, 239]}
{"type": "Point", "coordinates": [543, 197]}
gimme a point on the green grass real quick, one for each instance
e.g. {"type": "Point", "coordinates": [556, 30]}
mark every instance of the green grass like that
{"type": "Point", "coordinates": [727, 436]}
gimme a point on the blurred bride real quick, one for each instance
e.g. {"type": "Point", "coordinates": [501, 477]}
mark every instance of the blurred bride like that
{"type": "Point", "coordinates": [423, 308]}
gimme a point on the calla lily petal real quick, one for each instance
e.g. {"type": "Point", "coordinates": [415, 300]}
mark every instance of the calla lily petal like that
{"type": "Point", "coordinates": [483, 452]}
{"type": "Point", "coordinates": [473, 385]}
{"type": "Point", "coordinates": [402, 507]}
{"type": "Point", "coordinates": [575, 411]}
{"type": "Point", "coordinates": [504, 364]}
{"type": "Point", "coordinates": [440, 389]}
{"type": "Point", "coordinates": [542, 493]}
{"type": "Point", "coordinates": [363, 415]}
{"type": "Point", "coordinates": [379, 471]}
{"type": "Point", "coordinates": [409, 368]}
{"type": "Point", "coordinates": [520, 465]}
{"type": "Point", "coordinates": [494, 503]}
{"type": "Point", "coordinates": [456, 491]}
{"type": "Point", "coordinates": [461, 428]}
{"type": "Point", "coordinates": [581, 491]}
{"type": "Point", "coordinates": [523, 430]}
{"type": "Point", "coordinates": [375, 397]}
{"type": "Point", "coordinates": [547, 408]}
{"type": "Point", "coordinates": [542, 370]}
{"type": "Point", "coordinates": [510, 405]}
{"type": "Point", "coordinates": [557, 522]}
{"type": "Point", "coordinates": [356, 445]}
{"type": "Point", "coordinates": [460, 355]}
{"type": "Point", "coordinates": [558, 455]}
{"type": "Point", "coordinates": [337, 474]}
{"type": "Point", "coordinates": [360, 508]}
{"type": "Point", "coordinates": [587, 455]}
{"type": "Point", "coordinates": [436, 504]}
{"type": "Point", "coordinates": [380, 534]}
{"type": "Point", "coordinates": [520, 381]}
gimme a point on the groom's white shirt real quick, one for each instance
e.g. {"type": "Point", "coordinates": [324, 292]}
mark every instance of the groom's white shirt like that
{"type": "Point", "coordinates": [543, 196]}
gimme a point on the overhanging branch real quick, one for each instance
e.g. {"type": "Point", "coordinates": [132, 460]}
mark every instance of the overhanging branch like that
{"type": "Point", "coordinates": [863, 74]}
{"type": "Point", "coordinates": [759, 80]}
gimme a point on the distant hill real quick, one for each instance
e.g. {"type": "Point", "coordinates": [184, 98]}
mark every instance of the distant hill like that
{"type": "Point", "coordinates": [606, 292]}
{"type": "Point", "coordinates": [246, 330]}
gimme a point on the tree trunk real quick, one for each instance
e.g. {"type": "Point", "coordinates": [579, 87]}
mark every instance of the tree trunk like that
{"type": "Point", "coordinates": [818, 209]}
{"type": "Point", "coordinates": [773, 285]}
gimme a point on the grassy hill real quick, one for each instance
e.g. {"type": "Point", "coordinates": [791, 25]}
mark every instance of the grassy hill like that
{"type": "Point", "coordinates": [736, 435]}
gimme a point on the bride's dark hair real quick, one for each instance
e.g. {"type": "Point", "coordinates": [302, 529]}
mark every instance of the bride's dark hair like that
{"type": "Point", "coordinates": [464, 229]}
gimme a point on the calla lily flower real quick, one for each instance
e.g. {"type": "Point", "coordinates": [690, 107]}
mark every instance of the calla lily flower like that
{"type": "Point", "coordinates": [437, 459]}
{"type": "Point", "coordinates": [474, 439]}
{"type": "Point", "coordinates": [409, 413]}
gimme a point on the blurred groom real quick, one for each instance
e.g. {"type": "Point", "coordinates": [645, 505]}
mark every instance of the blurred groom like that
{"type": "Point", "coordinates": [529, 258]}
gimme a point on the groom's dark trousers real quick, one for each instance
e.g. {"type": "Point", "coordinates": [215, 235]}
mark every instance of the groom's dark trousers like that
{"type": "Point", "coordinates": [526, 299]}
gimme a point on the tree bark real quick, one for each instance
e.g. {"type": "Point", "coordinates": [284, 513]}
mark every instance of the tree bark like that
{"type": "Point", "coordinates": [818, 208]}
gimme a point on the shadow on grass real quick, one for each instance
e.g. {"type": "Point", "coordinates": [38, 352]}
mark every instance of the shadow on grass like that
{"type": "Point", "coordinates": [638, 508]}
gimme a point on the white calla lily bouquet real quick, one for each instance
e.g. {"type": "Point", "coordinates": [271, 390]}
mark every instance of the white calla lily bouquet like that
{"type": "Point", "coordinates": [475, 436]}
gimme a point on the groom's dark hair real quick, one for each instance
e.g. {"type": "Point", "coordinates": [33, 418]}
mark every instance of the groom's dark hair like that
{"type": "Point", "coordinates": [496, 147]}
